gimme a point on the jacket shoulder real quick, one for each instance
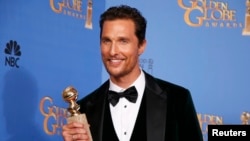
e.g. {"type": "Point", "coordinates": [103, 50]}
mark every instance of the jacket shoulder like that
{"type": "Point", "coordinates": [96, 96]}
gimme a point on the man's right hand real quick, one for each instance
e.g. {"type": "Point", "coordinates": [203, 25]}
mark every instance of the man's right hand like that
{"type": "Point", "coordinates": [75, 131]}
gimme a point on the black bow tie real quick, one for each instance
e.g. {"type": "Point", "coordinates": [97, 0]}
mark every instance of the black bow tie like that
{"type": "Point", "coordinates": [130, 94]}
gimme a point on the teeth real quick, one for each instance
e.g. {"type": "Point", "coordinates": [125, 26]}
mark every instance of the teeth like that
{"type": "Point", "coordinates": [115, 60]}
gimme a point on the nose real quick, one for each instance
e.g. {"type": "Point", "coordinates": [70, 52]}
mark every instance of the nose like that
{"type": "Point", "coordinates": [113, 49]}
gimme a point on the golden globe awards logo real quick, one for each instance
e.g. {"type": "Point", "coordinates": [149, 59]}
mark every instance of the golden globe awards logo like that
{"type": "Point", "coordinates": [74, 8]}
{"type": "Point", "coordinates": [208, 119]}
{"type": "Point", "coordinates": [54, 116]}
{"type": "Point", "coordinates": [209, 13]}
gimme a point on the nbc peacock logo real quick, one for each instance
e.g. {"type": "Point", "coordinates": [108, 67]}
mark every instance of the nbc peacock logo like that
{"type": "Point", "coordinates": [13, 52]}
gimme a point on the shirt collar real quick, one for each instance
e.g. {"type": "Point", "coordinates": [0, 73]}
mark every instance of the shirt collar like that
{"type": "Point", "coordinates": [139, 84]}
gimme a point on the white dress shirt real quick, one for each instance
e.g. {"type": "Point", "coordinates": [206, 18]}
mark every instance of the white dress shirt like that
{"type": "Point", "coordinates": [124, 113]}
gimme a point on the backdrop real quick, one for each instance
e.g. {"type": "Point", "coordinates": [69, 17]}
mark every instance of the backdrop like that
{"type": "Point", "coordinates": [46, 46]}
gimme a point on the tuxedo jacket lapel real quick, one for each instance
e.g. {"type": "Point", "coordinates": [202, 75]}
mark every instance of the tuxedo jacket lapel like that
{"type": "Point", "coordinates": [95, 111]}
{"type": "Point", "coordinates": [156, 110]}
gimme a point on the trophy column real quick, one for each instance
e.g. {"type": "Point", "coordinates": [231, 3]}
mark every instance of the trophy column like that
{"type": "Point", "coordinates": [70, 95]}
{"type": "Point", "coordinates": [88, 22]}
{"type": "Point", "coordinates": [246, 30]}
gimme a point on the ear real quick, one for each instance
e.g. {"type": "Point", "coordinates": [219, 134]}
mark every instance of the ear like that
{"type": "Point", "coordinates": [142, 47]}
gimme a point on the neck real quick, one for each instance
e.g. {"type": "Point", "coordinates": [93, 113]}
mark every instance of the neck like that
{"type": "Point", "coordinates": [127, 80]}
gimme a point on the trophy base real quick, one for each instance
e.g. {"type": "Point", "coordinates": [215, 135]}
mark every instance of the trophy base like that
{"type": "Point", "coordinates": [246, 32]}
{"type": "Point", "coordinates": [88, 26]}
{"type": "Point", "coordinates": [82, 119]}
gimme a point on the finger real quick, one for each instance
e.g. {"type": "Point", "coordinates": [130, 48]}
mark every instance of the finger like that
{"type": "Point", "coordinates": [82, 136]}
{"type": "Point", "coordinates": [72, 129]}
{"type": "Point", "coordinates": [72, 125]}
{"type": "Point", "coordinates": [67, 137]}
{"type": "Point", "coordinates": [75, 124]}
{"type": "Point", "coordinates": [75, 131]}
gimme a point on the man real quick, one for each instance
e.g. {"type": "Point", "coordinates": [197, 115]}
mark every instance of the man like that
{"type": "Point", "coordinates": [162, 111]}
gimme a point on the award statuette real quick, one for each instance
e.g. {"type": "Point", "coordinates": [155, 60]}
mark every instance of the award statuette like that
{"type": "Point", "coordinates": [246, 30]}
{"type": "Point", "coordinates": [70, 95]}
{"type": "Point", "coordinates": [245, 117]}
{"type": "Point", "coordinates": [88, 22]}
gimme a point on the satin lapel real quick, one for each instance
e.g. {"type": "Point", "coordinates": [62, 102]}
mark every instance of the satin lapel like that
{"type": "Point", "coordinates": [96, 112]}
{"type": "Point", "coordinates": [156, 110]}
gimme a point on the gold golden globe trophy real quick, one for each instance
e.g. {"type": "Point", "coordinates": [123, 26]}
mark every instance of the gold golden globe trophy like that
{"type": "Point", "coordinates": [70, 95]}
{"type": "Point", "coordinates": [246, 30]}
{"type": "Point", "coordinates": [88, 22]}
{"type": "Point", "coordinates": [245, 117]}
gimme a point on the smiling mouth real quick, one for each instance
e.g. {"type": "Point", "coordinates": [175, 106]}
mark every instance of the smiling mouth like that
{"type": "Point", "coordinates": [115, 62]}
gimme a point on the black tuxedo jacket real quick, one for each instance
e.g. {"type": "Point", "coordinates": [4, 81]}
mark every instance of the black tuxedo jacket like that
{"type": "Point", "coordinates": [170, 112]}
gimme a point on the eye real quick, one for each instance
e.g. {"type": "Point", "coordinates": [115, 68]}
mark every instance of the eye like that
{"type": "Point", "coordinates": [123, 41]}
{"type": "Point", "coordinates": [106, 41]}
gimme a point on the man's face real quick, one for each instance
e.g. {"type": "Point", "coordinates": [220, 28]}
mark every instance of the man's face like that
{"type": "Point", "coordinates": [120, 48]}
